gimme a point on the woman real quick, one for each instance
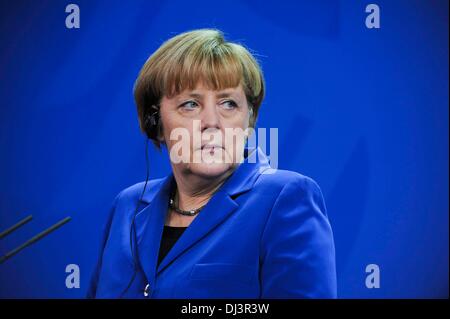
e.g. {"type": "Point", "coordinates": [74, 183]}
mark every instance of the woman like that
{"type": "Point", "coordinates": [220, 225]}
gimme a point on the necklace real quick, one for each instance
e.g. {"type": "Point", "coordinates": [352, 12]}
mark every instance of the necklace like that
{"type": "Point", "coordinates": [192, 212]}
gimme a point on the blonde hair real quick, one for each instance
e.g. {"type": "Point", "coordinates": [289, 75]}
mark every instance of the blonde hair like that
{"type": "Point", "coordinates": [199, 55]}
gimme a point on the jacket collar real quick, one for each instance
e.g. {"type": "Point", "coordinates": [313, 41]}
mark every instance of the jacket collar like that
{"type": "Point", "coordinates": [150, 221]}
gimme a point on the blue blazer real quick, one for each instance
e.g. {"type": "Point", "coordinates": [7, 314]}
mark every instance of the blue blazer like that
{"type": "Point", "coordinates": [264, 234]}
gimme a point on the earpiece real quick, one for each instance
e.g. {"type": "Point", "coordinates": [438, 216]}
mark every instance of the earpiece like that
{"type": "Point", "coordinates": [151, 122]}
{"type": "Point", "coordinates": [151, 129]}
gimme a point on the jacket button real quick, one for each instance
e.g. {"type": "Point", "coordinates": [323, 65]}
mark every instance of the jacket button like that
{"type": "Point", "coordinates": [147, 290]}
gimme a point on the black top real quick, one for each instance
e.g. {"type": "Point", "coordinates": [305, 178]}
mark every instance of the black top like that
{"type": "Point", "coordinates": [169, 237]}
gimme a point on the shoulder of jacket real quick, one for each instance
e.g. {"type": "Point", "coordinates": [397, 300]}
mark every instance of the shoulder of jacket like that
{"type": "Point", "coordinates": [134, 192]}
{"type": "Point", "coordinates": [279, 179]}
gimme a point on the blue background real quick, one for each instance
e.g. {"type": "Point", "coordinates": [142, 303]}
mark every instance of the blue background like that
{"type": "Point", "coordinates": [362, 111]}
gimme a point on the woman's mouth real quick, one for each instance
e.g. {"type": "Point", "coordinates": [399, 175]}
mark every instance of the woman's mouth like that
{"type": "Point", "coordinates": [211, 147]}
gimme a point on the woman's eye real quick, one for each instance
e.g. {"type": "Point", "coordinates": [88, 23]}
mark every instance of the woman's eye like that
{"type": "Point", "coordinates": [229, 104]}
{"type": "Point", "coordinates": [189, 105]}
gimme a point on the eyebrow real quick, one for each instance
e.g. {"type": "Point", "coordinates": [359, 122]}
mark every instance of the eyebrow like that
{"type": "Point", "coordinates": [221, 94]}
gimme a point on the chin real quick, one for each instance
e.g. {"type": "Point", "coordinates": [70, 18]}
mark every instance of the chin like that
{"type": "Point", "coordinates": [207, 164]}
{"type": "Point", "coordinates": [210, 170]}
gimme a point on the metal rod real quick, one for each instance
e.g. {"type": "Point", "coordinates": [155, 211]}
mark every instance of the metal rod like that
{"type": "Point", "coordinates": [34, 239]}
{"type": "Point", "coordinates": [14, 227]}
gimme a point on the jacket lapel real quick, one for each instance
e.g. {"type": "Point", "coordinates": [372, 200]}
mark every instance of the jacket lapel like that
{"type": "Point", "coordinates": [149, 225]}
{"type": "Point", "coordinates": [150, 221]}
{"type": "Point", "coordinates": [219, 207]}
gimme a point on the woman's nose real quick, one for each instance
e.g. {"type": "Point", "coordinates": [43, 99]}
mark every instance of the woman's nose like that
{"type": "Point", "coordinates": [210, 117]}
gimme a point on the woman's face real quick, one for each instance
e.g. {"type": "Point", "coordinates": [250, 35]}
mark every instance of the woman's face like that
{"type": "Point", "coordinates": [205, 130]}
